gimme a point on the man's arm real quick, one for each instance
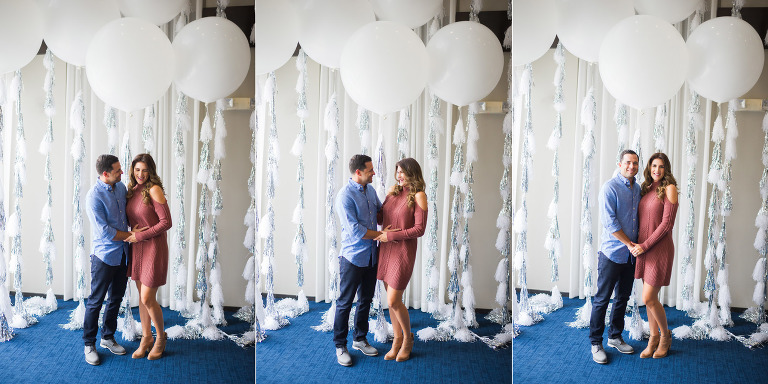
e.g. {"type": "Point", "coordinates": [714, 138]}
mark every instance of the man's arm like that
{"type": "Point", "coordinates": [349, 219]}
{"type": "Point", "coordinates": [623, 238]}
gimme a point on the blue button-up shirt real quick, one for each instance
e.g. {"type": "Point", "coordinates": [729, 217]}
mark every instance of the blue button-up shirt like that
{"type": "Point", "coordinates": [618, 211]}
{"type": "Point", "coordinates": [357, 207]}
{"type": "Point", "coordinates": [105, 205]}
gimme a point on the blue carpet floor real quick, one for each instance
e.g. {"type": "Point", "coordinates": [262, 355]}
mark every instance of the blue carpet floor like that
{"type": "Point", "coordinates": [46, 353]}
{"type": "Point", "coordinates": [299, 354]}
{"type": "Point", "coordinates": [552, 352]}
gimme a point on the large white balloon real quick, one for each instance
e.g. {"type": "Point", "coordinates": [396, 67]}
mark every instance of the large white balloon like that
{"type": "Point", "coordinates": [71, 24]}
{"type": "Point", "coordinates": [157, 12]}
{"type": "Point", "coordinates": [326, 25]}
{"type": "Point", "coordinates": [535, 26]}
{"type": "Point", "coordinates": [276, 34]}
{"type": "Point", "coordinates": [671, 11]}
{"type": "Point", "coordinates": [21, 33]}
{"type": "Point", "coordinates": [643, 61]}
{"type": "Point", "coordinates": [466, 62]}
{"type": "Point", "coordinates": [584, 24]}
{"type": "Point", "coordinates": [726, 58]}
{"type": "Point", "coordinates": [409, 12]}
{"type": "Point", "coordinates": [130, 63]}
{"type": "Point", "coordinates": [384, 66]}
{"type": "Point", "coordinates": [212, 58]}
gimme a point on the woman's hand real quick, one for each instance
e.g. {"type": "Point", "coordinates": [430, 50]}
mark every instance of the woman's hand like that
{"type": "Point", "coordinates": [132, 237]}
{"type": "Point", "coordinates": [636, 250]}
{"type": "Point", "coordinates": [383, 237]}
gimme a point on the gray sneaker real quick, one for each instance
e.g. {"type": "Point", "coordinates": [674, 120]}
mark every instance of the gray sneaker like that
{"type": "Point", "coordinates": [619, 344]}
{"type": "Point", "coordinates": [365, 348]}
{"type": "Point", "coordinates": [343, 357]}
{"type": "Point", "coordinates": [91, 357]}
{"type": "Point", "coordinates": [598, 354]}
{"type": "Point", "coordinates": [113, 346]}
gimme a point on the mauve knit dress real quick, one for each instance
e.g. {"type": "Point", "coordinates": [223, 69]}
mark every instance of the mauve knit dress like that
{"type": "Point", "coordinates": [656, 219]}
{"type": "Point", "coordinates": [149, 254]}
{"type": "Point", "coordinates": [398, 255]}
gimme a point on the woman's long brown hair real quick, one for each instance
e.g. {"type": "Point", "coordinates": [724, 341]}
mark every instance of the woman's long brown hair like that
{"type": "Point", "coordinates": [154, 179]}
{"type": "Point", "coordinates": [412, 171]}
{"type": "Point", "coordinates": [668, 178]}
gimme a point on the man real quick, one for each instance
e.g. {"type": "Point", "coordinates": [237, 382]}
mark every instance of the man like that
{"type": "Point", "coordinates": [105, 204]}
{"type": "Point", "coordinates": [619, 198]}
{"type": "Point", "coordinates": [357, 206]}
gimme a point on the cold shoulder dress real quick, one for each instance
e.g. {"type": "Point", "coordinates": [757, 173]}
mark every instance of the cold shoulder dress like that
{"type": "Point", "coordinates": [398, 255]}
{"type": "Point", "coordinates": [149, 254]}
{"type": "Point", "coordinates": [656, 218]}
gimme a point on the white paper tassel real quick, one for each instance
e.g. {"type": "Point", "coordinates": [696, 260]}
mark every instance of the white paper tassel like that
{"type": "Point", "coordinates": [264, 226]}
{"type": "Point", "coordinates": [519, 260]}
{"type": "Point", "coordinates": [761, 220]}
{"type": "Point", "coordinates": [720, 334]}
{"type": "Point", "coordinates": [458, 133]}
{"type": "Point", "coordinates": [426, 334]}
{"type": "Point", "coordinates": [520, 224]}
{"type": "Point", "coordinates": [501, 271]}
{"type": "Point", "coordinates": [759, 271]}
{"type": "Point", "coordinates": [758, 295]}
{"type": "Point", "coordinates": [296, 216]}
{"type": "Point", "coordinates": [502, 222]}
{"type": "Point", "coordinates": [249, 241]}
{"type": "Point", "coordinates": [682, 332]}
{"type": "Point", "coordinates": [464, 335]}
{"type": "Point", "coordinates": [501, 293]}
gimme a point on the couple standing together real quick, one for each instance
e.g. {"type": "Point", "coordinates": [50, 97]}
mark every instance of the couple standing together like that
{"type": "Point", "coordinates": [636, 243]}
{"type": "Point", "coordinates": [118, 252]}
{"type": "Point", "coordinates": [403, 217]}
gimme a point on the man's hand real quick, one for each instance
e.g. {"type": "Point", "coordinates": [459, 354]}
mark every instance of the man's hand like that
{"type": "Point", "coordinates": [132, 237]}
{"type": "Point", "coordinates": [636, 249]}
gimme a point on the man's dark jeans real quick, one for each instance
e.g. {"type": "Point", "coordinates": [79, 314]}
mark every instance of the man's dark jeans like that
{"type": "Point", "coordinates": [353, 279]}
{"type": "Point", "coordinates": [104, 278]}
{"type": "Point", "coordinates": [611, 277]}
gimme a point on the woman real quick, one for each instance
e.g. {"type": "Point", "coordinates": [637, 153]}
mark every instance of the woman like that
{"type": "Point", "coordinates": [404, 208]}
{"type": "Point", "coordinates": [147, 207]}
{"type": "Point", "coordinates": [655, 251]}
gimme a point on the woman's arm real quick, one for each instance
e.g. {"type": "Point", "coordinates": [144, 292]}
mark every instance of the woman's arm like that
{"type": "Point", "coordinates": [163, 214]}
{"type": "Point", "coordinates": [419, 224]}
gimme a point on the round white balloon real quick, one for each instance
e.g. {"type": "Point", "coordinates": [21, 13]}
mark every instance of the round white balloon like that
{"type": "Point", "coordinates": [157, 12]}
{"type": "Point", "coordinates": [384, 66]}
{"type": "Point", "coordinates": [535, 27]}
{"type": "Point", "coordinates": [21, 33]}
{"type": "Point", "coordinates": [726, 58]}
{"type": "Point", "coordinates": [326, 25]}
{"type": "Point", "coordinates": [276, 34]}
{"type": "Point", "coordinates": [671, 11]}
{"type": "Point", "coordinates": [212, 58]}
{"type": "Point", "coordinates": [130, 63]}
{"type": "Point", "coordinates": [409, 12]}
{"type": "Point", "coordinates": [466, 62]}
{"type": "Point", "coordinates": [643, 61]}
{"type": "Point", "coordinates": [584, 24]}
{"type": "Point", "coordinates": [71, 24]}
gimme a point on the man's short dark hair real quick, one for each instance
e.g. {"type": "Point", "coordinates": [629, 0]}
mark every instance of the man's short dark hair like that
{"type": "Point", "coordinates": [104, 163]}
{"type": "Point", "coordinates": [358, 162]}
{"type": "Point", "coordinates": [627, 152]}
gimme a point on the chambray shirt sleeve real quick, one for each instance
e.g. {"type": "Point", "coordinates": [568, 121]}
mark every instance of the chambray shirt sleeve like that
{"type": "Point", "coordinates": [97, 213]}
{"type": "Point", "coordinates": [347, 211]}
{"type": "Point", "coordinates": [608, 201]}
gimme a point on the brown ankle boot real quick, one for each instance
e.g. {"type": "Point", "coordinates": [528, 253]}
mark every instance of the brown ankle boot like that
{"type": "Point", "coordinates": [144, 346]}
{"type": "Point", "coordinates": [159, 347]}
{"type": "Point", "coordinates": [653, 343]}
{"type": "Point", "coordinates": [396, 344]}
{"type": "Point", "coordinates": [405, 350]}
{"type": "Point", "coordinates": [664, 344]}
